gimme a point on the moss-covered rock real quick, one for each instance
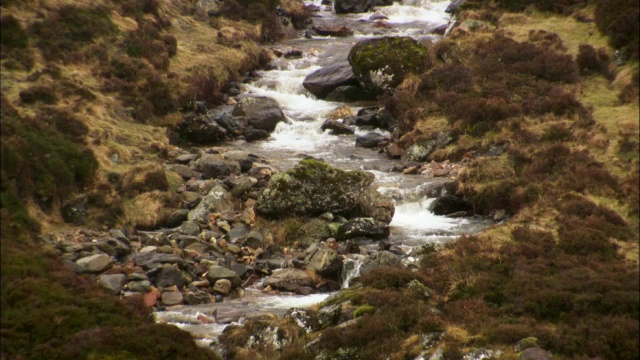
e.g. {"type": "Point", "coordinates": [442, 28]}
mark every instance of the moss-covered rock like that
{"type": "Point", "coordinates": [380, 65]}
{"type": "Point", "coordinates": [312, 188]}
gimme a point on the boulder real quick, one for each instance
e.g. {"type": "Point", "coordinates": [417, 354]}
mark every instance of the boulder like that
{"type": "Point", "coordinates": [335, 31]}
{"type": "Point", "coordinates": [251, 134]}
{"type": "Point", "coordinates": [336, 128]}
{"type": "Point", "coordinates": [113, 283]}
{"type": "Point", "coordinates": [363, 227]}
{"type": "Point", "coordinates": [324, 261]}
{"type": "Point", "coordinates": [223, 286]}
{"type": "Point", "coordinates": [216, 273]}
{"type": "Point", "coordinates": [322, 81]}
{"type": "Point", "coordinates": [454, 6]}
{"type": "Point", "coordinates": [289, 280]}
{"type": "Point", "coordinates": [370, 140]}
{"type": "Point", "coordinates": [449, 204]}
{"type": "Point", "coordinates": [196, 298]}
{"type": "Point", "coordinates": [168, 276]}
{"type": "Point", "coordinates": [349, 93]}
{"type": "Point", "coordinates": [262, 113]}
{"type": "Point", "coordinates": [372, 116]}
{"type": "Point", "coordinates": [190, 228]}
{"type": "Point", "coordinates": [201, 129]}
{"type": "Point", "coordinates": [216, 201]}
{"type": "Point", "coordinates": [535, 353]}
{"type": "Point", "coordinates": [211, 166]}
{"type": "Point", "coordinates": [94, 263]}
{"type": "Point", "coordinates": [226, 120]}
{"type": "Point", "coordinates": [303, 190]}
{"type": "Point", "coordinates": [381, 64]}
{"type": "Point", "coordinates": [358, 6]}
{"type": "Point", "coordinates": [380, 259]}
{"type": "Point", "coordinates": [419, 152]}
{"type": "Point", "coordinates": [374, 205]}
{"type": "Point", "coordinates": [170, 298]}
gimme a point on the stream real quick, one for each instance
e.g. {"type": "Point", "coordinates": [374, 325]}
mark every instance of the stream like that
{"type": "Point", "coordinates": [413, 225]}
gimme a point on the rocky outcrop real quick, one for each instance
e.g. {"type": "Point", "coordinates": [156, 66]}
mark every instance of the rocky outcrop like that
{"type": "Point", "coordinates": [381, 64]}
{"type": "Point", "coordinates": [303, 190]}
{"type": "Point", "coordinates": [323, 81]}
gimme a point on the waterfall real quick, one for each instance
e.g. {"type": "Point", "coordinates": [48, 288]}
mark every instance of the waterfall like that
{"type": "Point", "coordinates": [351, 269]}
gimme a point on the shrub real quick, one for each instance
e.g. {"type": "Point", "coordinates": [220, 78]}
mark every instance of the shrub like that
{"type": "Point", "coordinates": [618, 19]}
{"type": "Point", "coordinates": [71, 28]}
{"type": "Point", "coordinates": [146, 42]}
{"type": "Point", "coordinates": [556, 133]}
{"type": "Point", "coordinates": [388, 278]}
{"type": "Point", "coordinates": [14, 43]}
{"type": "Point", "coordinates": [36, 93]}
{"type": "Point", "coordinates": [591, 61]}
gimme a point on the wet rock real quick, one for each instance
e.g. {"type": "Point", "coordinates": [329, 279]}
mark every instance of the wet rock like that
{"type": "Point", "coordinates": [303, 190]}
{"type": "Point", "coordinates": [370, 140]}
{"type": "Point", "coordinates": [449, 204]}
{"type": "Point", "coordinates": [367, 227]}
{"type": "Point", "coordinates": [358, 6]}
{"type": "Point", "coordinates": [372, 116]}
{"type": "Point", "coordinates": [185, 158]}
{"type": "Point", "coordinates": [170, 298]}
{"type": "Point", "coordinates": [374, 205]}
{"type": "Point", "coordinates": [381, 64]}
{"type": "Point", "coordinates": [201, 129]}
{"type": "Point", "coordinates": [349, 93]}
{"type": "Point", "coordinates": [289, 280]}
{"type": "Point", "coordinates": [239, 269]}
{"type": "Point", "coordinates": [322, 81]}
{"type": "Point", "coordinates": [251, 135]}
{"type": "Point", "coordinates": [335, 31]}
{"type": "Point", "coordinates": [336, 128]}
{"type": "Point", "coordinates": [324, 261]}
{"type": "Point", "coordinates": [94, 263]}
{"type": "Point", "coordinates": [260, 112]}
{"type": "Point", "coordinates": [112, 283]}
{"type": "Point", "coordinates": [254, 240]}
{"type": "Point", "coordinates": [185, 172]}
{"type": "Point", "coordinates": [454, 6]}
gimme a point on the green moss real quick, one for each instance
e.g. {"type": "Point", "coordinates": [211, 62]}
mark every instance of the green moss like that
{"type": "Point", "coordinates": [363, 310]}
{"type": "Point", "coordinates": [352, 295]}
{"type": "Point", "coordinates": [382, 64]}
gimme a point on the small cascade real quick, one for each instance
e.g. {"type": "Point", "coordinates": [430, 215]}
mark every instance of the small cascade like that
{"type": "Point", "coordinates": [351, 269]}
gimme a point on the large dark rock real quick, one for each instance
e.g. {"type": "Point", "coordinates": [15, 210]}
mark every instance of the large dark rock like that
{"type": "Point", "coordinates": [168, 276]}
{"type": "Point", "coordinates": [381, 64]}
{"type": "Point", "coordinates": [372, 116]}
{"type": "Point", "coordinates": [336, 128]}
{"type": "Point", "coordinates": [304, 190]}
{"type": "Point", "coordinates": [358, 6]}
{"type": "Point", "coordinates": [369, 140]}
{"type": "Point", "coordinates": [322, 81]}
{"type": "Point", "coordinates": [349, 93]}
{"type": "Point", "coordinates": [201, 129]}
{"type": "Point", "coordinates": [262, 113]}
{"type": "Point", "coordinates": [363, 227]}
{"type": "Point", "coordinates": [449, 204]}
{"type": "Point", "coordinates": [335, 31]}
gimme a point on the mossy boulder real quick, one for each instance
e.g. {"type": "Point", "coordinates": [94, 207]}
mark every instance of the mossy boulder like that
{"type": "Point", "coordinates": [312, 188]}
{"type": "Point", "coordinates": [381, 64]}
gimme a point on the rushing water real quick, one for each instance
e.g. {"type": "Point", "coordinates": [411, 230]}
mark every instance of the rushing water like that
{"type": "Point", "coordinates": [413, 225]}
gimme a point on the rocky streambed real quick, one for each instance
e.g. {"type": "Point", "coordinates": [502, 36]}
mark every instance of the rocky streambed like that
{"type": "Point", "coordinates": [288, 193]}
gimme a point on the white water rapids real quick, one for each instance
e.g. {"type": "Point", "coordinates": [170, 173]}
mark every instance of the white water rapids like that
{"type": "Point", "coordinates": [413, 224]}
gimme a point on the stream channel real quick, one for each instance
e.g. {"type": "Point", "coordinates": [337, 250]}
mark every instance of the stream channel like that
{"type": "Point", "coordinates": [413, 225]}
